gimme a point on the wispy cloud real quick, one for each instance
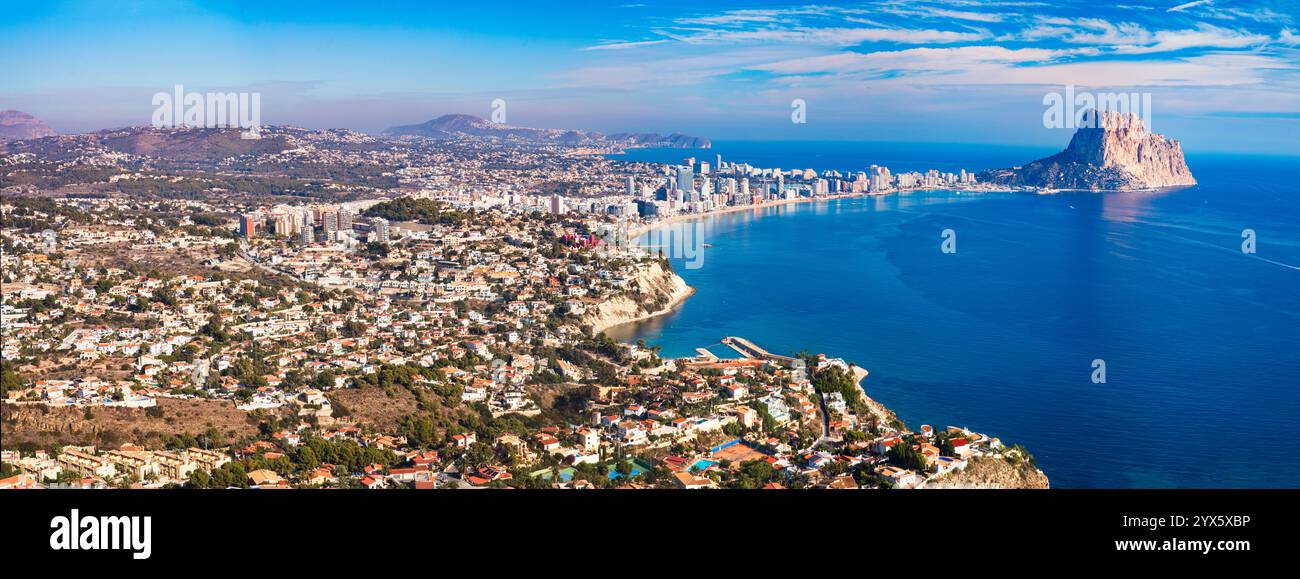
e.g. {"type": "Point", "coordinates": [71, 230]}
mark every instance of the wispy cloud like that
{"type": "Point", "coordinates": [838, 36]}
{"type": "Point", "coordinates": [992, 65]}
{"type": "Point", "coordinates": [1193, 3]}
{"type": "Point", "coordinates": [1133, 38]}
{"type": "Point", "coordinates": [1203, 36]}
{"type": "Point", "coordinates": [935, 60]}
{"type": "Point", "coordinates": [626, 45]}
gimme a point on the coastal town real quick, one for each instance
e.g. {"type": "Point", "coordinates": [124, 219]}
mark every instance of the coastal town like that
{"type": "Point", "coordinates": [434, 319]}
{"type": "Point", "coordinates": [350, 250]}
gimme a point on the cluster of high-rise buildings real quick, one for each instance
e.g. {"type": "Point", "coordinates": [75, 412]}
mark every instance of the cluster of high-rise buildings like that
{"type": "Point", "coordinates": [309, 223]}
{"type": "Point", "coordinates": [698, 186]}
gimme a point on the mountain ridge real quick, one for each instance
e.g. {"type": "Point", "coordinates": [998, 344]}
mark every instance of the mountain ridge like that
{"type": "Point", "coordinates": [17, 125]}
{"type": "Point", "coordinates": [460, 125]}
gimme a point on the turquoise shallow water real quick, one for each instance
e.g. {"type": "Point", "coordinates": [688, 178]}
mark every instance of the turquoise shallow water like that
{"type": "Point", "coordinates": [1199, 339]}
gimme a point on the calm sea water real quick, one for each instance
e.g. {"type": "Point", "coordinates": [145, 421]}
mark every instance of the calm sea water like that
{"type": "Point", "coordinates": [1201, 342]}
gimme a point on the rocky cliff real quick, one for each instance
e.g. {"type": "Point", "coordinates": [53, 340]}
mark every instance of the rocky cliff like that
{"type": "Point", "coordinates": [655, 290]}
{"type": "Point", "coordinates": [1114, 153]}
{"type": "Point", "coordinates": [989, 472]}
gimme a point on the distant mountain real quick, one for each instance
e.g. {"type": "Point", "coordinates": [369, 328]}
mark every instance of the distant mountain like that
{"type": "Point", "coordinates": [188, 144]}
{"type": "Point", "coordinates": [675, 140]}
{"type": "Point", "coordinates": [456, 126]}
{"type": "Point", "coordinates": [17, 125]}
{"type": "Point", "coordinates": [1116, 153]}
{"type": "Point", "coordinates": [175, 144]}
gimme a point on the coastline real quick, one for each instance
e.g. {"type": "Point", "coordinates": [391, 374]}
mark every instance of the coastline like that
{"type": "Point", "coordinates": [645, 228]}
{"type": "Point", "coordinates": [657, 278]}
{"type": "Point", "coordinates": [992, 474]}
{"type": "Point", "coordinates": [680, 297]}
{"type": "Point", "coordinates": [673, 302]}
{"type": "Point", "coordinates": [677, 300]}
{"type": "Point", "coordinates": [880, 411]}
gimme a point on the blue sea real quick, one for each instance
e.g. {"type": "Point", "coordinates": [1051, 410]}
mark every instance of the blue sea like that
{"type": "Point", "coordinates": [1201, 341]}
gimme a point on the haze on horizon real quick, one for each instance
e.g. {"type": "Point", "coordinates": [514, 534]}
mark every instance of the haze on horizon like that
{"type": "Point", "coordinates": [1223, 75]}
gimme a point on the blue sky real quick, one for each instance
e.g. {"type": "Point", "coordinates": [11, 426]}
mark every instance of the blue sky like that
{"type": "Point", "coordinates": [1223, 75]}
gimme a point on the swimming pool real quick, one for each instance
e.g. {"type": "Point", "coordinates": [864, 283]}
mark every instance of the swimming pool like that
{"type": "Point", "coordinates": [702, 465]}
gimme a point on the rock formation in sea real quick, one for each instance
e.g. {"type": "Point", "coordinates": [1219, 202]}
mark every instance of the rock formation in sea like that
{"type": "Point", "coordinates": [1113, 153]}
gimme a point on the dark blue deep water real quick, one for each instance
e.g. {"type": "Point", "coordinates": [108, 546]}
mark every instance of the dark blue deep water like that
{"type": "Point", "coordinates": [1201, 341]}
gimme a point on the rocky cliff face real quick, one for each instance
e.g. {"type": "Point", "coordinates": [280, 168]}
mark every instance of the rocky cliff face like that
{"type": "Point", "coordinates": [1117, 154]}
{"type": "Point", "coordinates": [17, 125]}
{"type": "Point", "coordinates": [655, 291]}
{"type": "Point", "coordinates": [988, 472]}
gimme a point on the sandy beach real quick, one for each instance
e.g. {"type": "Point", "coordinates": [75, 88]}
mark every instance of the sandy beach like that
{"type": "Point", "coordinates": [644, 228]}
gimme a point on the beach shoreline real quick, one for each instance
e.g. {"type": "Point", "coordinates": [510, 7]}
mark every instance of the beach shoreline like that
{"type": "Point", "coordinates": [678, 300]}
{"type": "Point", "coordinates": [645, 228]}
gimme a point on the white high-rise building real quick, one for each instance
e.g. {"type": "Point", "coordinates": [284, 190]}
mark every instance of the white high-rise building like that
{"type": "Point", "coordinates": [685, 179]}
{"type": "Point", "coordinates": [381, 231]}
{"type": "Point", "coordinates": [330, 224]}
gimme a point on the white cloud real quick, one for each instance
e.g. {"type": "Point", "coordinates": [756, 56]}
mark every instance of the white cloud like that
{"type": "Point", "coordinates": [963, 15]}
{"type": "Point", "coordinates": [832, 53]}
{"type": "Point", "coordinates": [626, 45]}
{"type": "Point", "coordinates": [1229, 69]}
{"type": "Point", "coordinates": [946, 60]}
{"type": "Point", "coordinates": [1088, 31]}
{"type": "Point", "coordinates": [1133, 38]}
{"type": "Point", "coordinates": [997, 66]}
{"type": "Point", "coordinates": [922, 11]}
{"type": "Point", "coordinates": [1193, 3]}
{"type": "Point", "coordinates": [1203, 36]}
{"type": "Point", "coordinates": [751, 16]}
{"type": "Point", "coordinates": [837, 36]}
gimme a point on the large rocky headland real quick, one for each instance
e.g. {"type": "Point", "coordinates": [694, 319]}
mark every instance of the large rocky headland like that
{"type": "Point", "coordinates": [1113, 152]}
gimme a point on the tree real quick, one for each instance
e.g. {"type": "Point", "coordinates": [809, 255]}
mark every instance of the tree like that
{"type": "Point", "coordinates": [200, 479]}
{"type": "Point", "coordinates": [325, 380]}
{"type": "Point", "coordinates": [231, 474]}
{"type": "Point", "coordinates": [836, 379]}
{"type": "Point", "coordinates": [903, 455]}
{"type": "Point", "coordinates": [418, 430]}
{"type": "Point", "coordinates": [479, 455]}
{"type": "Point", "coordinates": [9, 380]}
{"type": "Point", "coordinates": [754, 474]}
{"type": "Point", "coordinates": [307, 459]}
